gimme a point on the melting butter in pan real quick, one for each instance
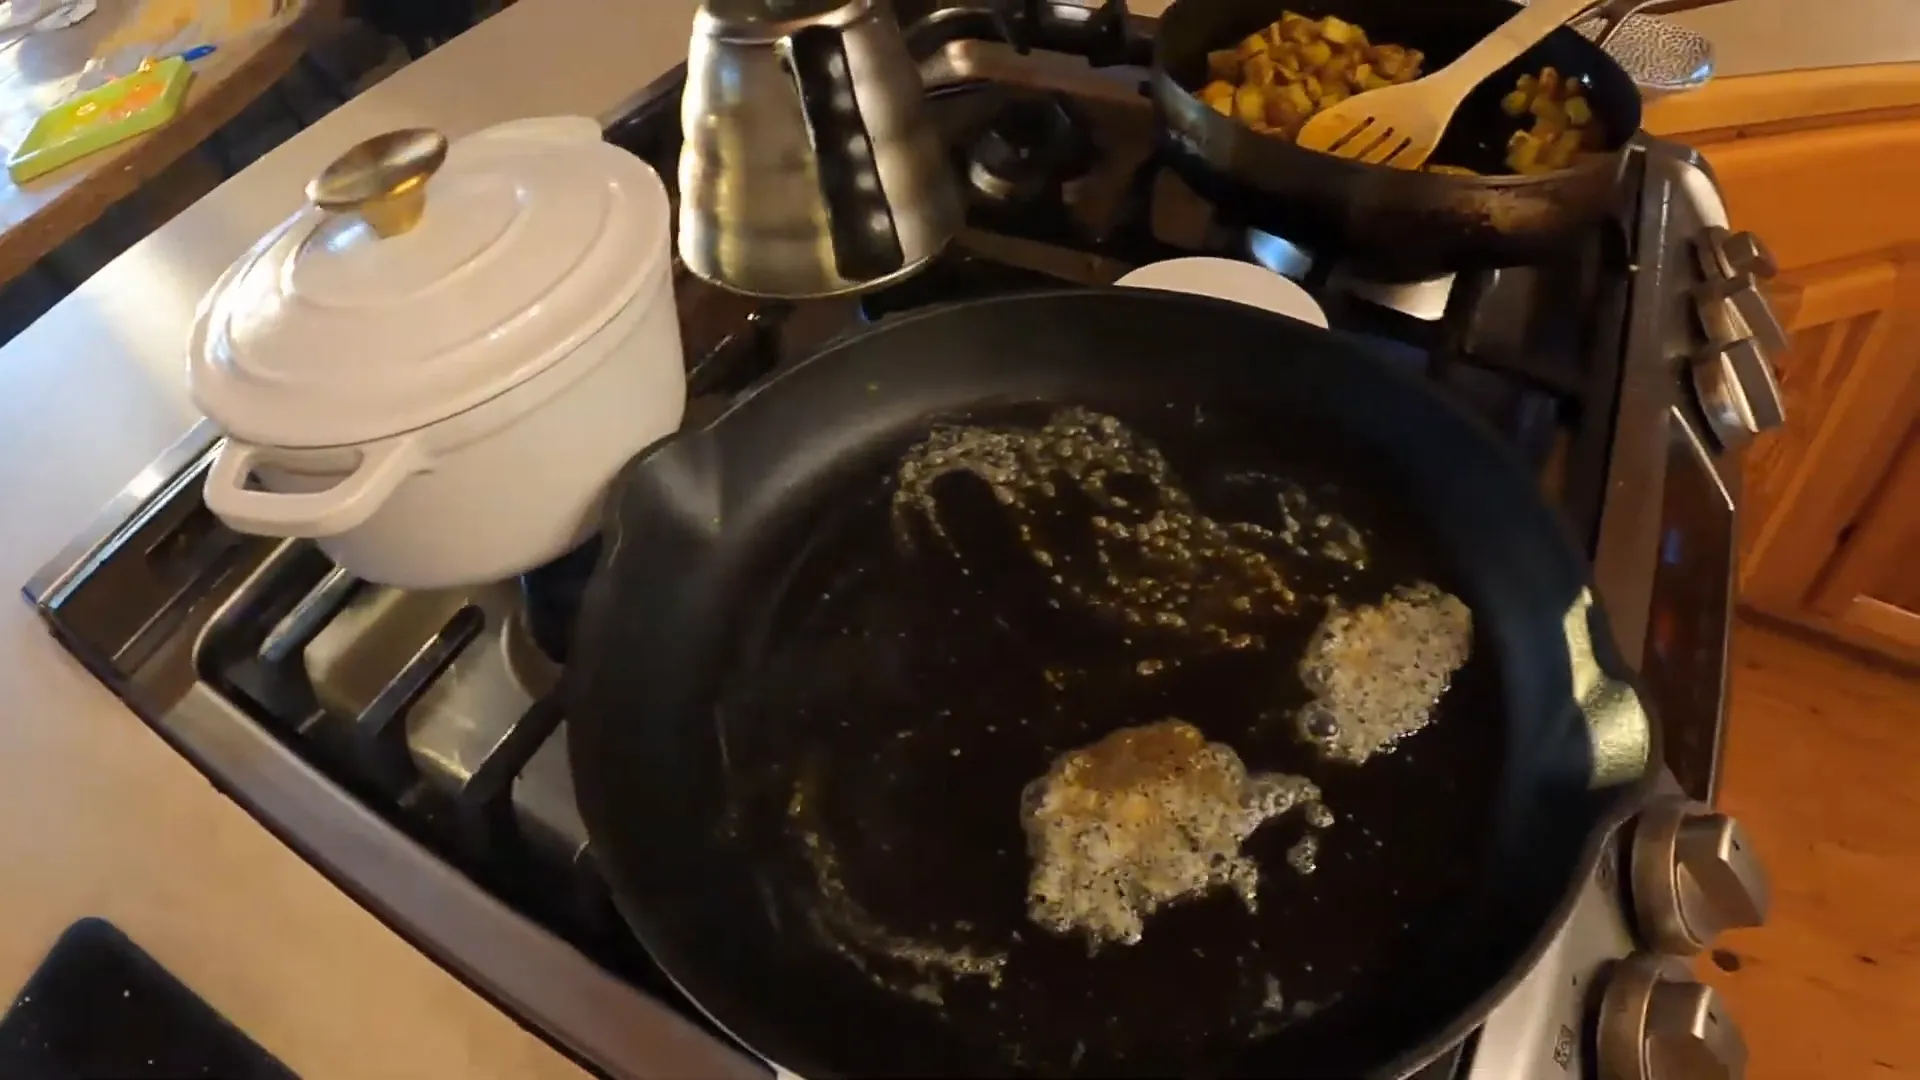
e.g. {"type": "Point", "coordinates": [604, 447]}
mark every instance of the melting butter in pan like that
{"type": "Point", "coordinates": [1146, 817]}
{"type": "Point", "coordinates": [914, 967]}
{"type": "Point", "coordinates": [1376, 671]}
{"type": "Point", "coordinates": [1158, 562]}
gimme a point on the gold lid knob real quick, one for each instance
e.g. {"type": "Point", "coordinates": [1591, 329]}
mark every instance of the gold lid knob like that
{"type": "Point", "coordinates": [384, 180]}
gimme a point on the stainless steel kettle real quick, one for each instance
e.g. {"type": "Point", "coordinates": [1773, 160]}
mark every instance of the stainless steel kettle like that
{"type": "Point", "coordinates": [808, 167]}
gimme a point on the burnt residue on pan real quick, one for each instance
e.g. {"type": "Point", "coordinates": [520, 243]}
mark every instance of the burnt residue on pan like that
{"type": "Point", "coordinates": [923, 667]}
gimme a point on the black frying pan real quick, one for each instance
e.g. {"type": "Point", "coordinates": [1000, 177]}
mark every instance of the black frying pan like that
{"type": "Point", "coordinates": [1392, 224]}
{"type": "Point", "coordinates": [753, 631]}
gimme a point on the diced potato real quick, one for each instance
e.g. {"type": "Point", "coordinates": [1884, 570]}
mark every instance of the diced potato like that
{"type": "Point", "coordinates": [1558, 154]}
{"type": "Point", "coordinates": [1337, 30]}
{"type": "Point", "coordinates": [1249, 104]}
{"type": "Point", "coordinates": [1282, 111]}
{"type": "Point", "coordinates": [1560, 122]}
{"type": "Point", "coordinates": [1523, 153]}
{"type": "Point", "coordinates": [1223, 64]}
{"type": "Point", "coordinates": [1275, 79]}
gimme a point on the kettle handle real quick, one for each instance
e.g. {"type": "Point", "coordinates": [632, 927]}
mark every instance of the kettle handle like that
{"type": "Point", "coordinates": [866, 240]}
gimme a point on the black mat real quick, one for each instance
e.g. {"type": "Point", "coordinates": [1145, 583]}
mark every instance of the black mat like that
{"type": "Point", "coordinates": [100, 1007]}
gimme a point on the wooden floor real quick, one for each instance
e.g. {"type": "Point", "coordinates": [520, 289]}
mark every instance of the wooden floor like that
{"type": "Point", "coordinates": [1823, 768]}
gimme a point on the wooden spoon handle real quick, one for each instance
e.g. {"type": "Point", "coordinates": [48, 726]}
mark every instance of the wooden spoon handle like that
{"type": "Point", "coordinates": [1524, 30]}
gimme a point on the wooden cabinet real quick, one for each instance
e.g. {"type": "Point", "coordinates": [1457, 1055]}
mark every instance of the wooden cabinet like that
{"type": "Point", "coordinates": [1871, 589]}
{"type": "Point", "coordinates": [1831, 512]}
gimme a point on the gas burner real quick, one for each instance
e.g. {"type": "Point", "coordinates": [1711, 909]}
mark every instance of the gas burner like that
{"type": "Point", "coordinates": [1283, 257]}
{"type": "Point", "coordinates": [1035, 147]}
{"type": "Point", "coordinates": [550, 599]}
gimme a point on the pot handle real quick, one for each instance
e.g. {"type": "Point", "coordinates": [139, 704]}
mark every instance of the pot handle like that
{"type": "Point", "coordinates": [308, 515]}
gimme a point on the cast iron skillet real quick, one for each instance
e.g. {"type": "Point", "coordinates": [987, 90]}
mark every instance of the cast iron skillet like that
{"type": "Point", "coordinates": [752, 631]}
{"type": "Point", "coordinates": [1392, 224]}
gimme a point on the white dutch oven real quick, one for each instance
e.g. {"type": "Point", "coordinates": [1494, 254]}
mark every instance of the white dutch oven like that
{"type": "Point", "coordinates": [435, 370]}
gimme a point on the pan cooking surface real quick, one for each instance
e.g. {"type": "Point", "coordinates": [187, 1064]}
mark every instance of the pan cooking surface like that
{"type": "Point", "coordinates": [941, 640]}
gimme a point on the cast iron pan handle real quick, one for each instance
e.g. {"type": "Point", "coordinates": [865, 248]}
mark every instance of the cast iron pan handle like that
{"type": "Point", "coordinates": [866, 243]}
{"type": "Point", "coordinates": [1620, 733]}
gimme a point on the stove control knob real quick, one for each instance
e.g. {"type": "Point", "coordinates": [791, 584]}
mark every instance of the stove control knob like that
{"type": "Point", "coordinates": [1757, 322]}
{"type": "Point", "coordinates": [1658, 1023]}
{"type": "Point", "coordinates": [1727, 254]}
{"type": "Point", "coordinates": [1733, 376]}
{"type": "Point", "coordinates": [1694, 876]}
{"type": "Point", "coordinates": [1738, 392]}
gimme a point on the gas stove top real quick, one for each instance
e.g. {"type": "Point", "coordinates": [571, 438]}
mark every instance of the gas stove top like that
{"type": "Point", "coordinates": [410, 745]}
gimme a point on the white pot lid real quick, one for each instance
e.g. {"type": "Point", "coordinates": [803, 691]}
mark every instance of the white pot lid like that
{"type": "Point", "coordinates": [373, 312]}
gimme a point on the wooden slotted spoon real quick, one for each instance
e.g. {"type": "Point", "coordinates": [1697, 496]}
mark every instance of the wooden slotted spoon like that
{"type": "Point", "coordinates": [1400, 125]}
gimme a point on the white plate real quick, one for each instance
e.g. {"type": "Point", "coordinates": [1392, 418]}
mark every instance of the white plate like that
{"type": "Point", "coordinates": [1225, 279]}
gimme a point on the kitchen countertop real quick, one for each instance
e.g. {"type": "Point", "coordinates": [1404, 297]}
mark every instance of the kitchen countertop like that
{"type": "Point", "coordinates": [97, 815]}
{"type": "Point", "coordinates": [40, 215]}
{"type": "Point", "coordinates": [1758, 37]}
